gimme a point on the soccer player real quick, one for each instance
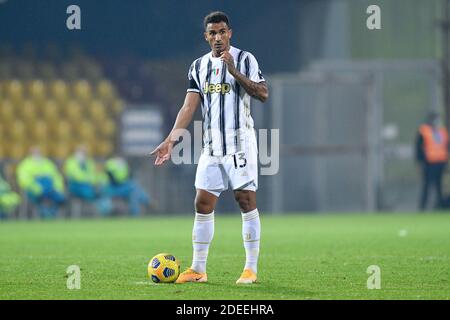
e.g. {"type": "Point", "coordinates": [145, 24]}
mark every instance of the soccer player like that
{"type": "Point", "coordinates": [223, 82]}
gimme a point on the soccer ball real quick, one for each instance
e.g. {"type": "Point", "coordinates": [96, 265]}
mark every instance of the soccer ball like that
{"type": "Point", "coordinates": [163, 267]}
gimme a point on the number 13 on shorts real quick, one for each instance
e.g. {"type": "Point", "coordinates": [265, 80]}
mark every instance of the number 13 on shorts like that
{"type": "Point", "coordinates": [239, 160]}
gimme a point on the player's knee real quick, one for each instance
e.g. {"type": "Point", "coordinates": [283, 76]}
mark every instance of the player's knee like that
{"type": "Point", "coordinates": [203, 206]}
{"type": "Point", "coordinates": [245, 201]}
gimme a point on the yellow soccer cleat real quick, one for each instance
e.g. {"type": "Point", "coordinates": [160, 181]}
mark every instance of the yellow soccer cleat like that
{"type": "Point", "coordinates": [191, 275]}
{"type": "Point", "coordinates": [247, 277]}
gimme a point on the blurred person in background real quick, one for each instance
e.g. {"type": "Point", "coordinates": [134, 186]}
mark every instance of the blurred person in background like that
{"type": "Point", "coordinates": [83, 179]}
{"type": "Point", "coordinates": [41, 181]}
{"type": "Point", "coordinates": [432, 155]}
{"type": "Point", "coordinates": [121, 184]}
{"type": "Point", "coordinates": [9, 200]}
{"type": "Point", "coordinates": [104, 203]}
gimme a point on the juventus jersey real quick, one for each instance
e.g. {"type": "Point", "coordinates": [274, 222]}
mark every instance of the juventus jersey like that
{"type": "Point", "coordinates": [227, 122]}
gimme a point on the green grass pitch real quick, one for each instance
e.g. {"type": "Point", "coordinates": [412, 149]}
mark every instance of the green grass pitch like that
{"type": "Point", "coordinates": [302, 257]}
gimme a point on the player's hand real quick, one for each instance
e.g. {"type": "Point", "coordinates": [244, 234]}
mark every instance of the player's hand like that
{"type": "Point", "coordinates": [162, 152]}
{"type": "Point", "coordinates": [226, 57]}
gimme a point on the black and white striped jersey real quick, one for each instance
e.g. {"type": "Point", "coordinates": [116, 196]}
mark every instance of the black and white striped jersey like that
{"type": "Point", "coordinates": [225, 104]}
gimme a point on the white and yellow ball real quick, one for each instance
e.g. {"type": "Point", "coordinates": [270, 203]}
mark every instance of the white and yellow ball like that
{"type": "Point", "coordinates": [163, 267]}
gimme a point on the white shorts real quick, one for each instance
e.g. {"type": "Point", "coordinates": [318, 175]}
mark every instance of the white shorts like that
{"type": "Point", "coordinates": [240, 170]}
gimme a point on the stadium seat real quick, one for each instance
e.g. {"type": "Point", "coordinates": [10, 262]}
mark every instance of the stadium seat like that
{"type": "Point", "coordinates": [17, 151]}
{"type": "Point", "coordinates": [27, 111]}
{"type": "Point", "coordinates": [82, 91]}
{"type": "Point", "coordinates": [86, 131]}
{"type": "Point", "coordinates": [59, 91]}
{"type": "Point", "coordinates": [39, 130]}
{"type": "Point", "coordinates": [17, 131]}
{"type": "Point", "coordinates": [7, 113]}
{"type": "Point", "coordinates": [73, 111]}
{"type": "Point", "coordinates": [60, 101]}
{"type": "Point", "coordinates": [2, 141]}
{"type": "Point", "coordinates": [107, 127]}
{"type": "Point", "coordinates": [105, 91]}
{"type": "Point", "coordinates": [14, 90]}
{"type": "Point", "coordinates": [60, 150]}
{"type": "Point", "coordinates": [63, 130]}
{"type": "Point", "coordinates": [117, 106]}
{"type": "Point", "coordinates": [103, 148]}
{"type": "Point", "coordinates": [97, 110]}
{"type": "Point", "coordinates": [51, 110]}
{"type": "Point", "coordinates": [36, 90]}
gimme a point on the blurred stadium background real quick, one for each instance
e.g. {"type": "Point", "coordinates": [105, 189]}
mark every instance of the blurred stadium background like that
{"type": "Point", "coordinates": [347, 100]}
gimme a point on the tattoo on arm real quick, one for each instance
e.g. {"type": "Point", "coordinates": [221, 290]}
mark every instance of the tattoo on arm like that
{"type": "Point", "coordinates": [257, 90]}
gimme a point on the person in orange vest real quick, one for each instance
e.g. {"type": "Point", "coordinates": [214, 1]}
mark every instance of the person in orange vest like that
{"type": "Point", "coordinates": [432, 145]}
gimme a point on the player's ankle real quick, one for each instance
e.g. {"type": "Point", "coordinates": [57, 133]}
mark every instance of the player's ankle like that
{"type": "Point", "coordinates": [197, 269]}
{"type": "Point", "coordinates": [252, 269]}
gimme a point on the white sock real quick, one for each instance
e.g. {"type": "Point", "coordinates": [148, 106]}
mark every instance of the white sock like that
{"type": "Point", "coordinates": [202, 235]}
{"type": "Point", "coordinates": [251, 231]}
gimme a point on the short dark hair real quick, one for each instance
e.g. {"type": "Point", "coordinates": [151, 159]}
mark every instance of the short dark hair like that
{"type": "Point", "coordinates": [216, 17]}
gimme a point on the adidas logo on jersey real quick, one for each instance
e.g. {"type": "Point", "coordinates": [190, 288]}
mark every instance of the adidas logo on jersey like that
{"type": "Point", "coordinates": [216, 88]}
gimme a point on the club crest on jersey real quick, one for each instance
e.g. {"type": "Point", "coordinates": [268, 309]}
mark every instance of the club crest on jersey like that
{"type": "Point", "coordinates": [221, 88]}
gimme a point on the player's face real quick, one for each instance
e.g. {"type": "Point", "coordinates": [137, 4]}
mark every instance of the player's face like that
{"type": "Point", "coordinates": [218, 36]}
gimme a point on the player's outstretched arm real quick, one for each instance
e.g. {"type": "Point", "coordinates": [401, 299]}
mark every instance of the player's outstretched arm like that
{"type": "Point", "coordinates": [184, 118]}
{"type": "Point", "coordinates": [257, 90]}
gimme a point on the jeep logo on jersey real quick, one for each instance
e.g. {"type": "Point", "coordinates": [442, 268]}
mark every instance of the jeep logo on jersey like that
{"type": "Point", "coordinates": [217, 88]}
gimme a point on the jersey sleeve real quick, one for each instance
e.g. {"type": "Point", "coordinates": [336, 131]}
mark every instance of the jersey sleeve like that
{"type": "Point", "coordinates": [255, 73]}
{"type": "Point", "coordinates": [192, 85]}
